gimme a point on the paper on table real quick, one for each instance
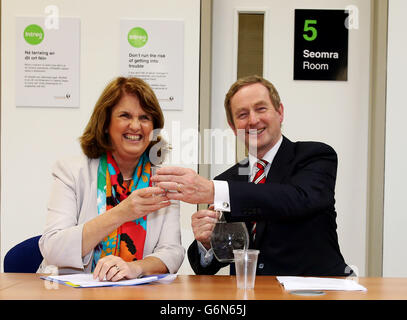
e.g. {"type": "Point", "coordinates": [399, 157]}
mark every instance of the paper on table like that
{"type": "Point", "coordinates": [85, 280]}
{"type": "Point", "coordinates": [313, 283]}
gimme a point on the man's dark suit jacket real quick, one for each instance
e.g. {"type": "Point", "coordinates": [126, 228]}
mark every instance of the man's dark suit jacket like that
{"type": "Point", "coordinates": [294, 210]}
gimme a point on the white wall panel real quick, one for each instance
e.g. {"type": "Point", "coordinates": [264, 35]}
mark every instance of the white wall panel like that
{"type": "Point", "coordinates": [395, 212]}
{"type": "Point", "coordinates": [336, 113]}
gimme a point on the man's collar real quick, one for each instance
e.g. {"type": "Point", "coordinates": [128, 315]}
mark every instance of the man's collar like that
{"type": "Point", "coordinates": [269, 156]}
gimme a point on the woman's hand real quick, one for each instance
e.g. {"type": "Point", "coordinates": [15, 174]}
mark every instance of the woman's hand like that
{"type": "Point", "coordinates": [114, 268]}
{"type": "Point", "coordinates": [138, 204]}
{"type": "Point", "coordinates": [142, 202]}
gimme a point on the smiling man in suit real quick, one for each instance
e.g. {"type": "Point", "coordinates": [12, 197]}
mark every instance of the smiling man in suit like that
{"type": "Point", "coordinates": [286, 197]}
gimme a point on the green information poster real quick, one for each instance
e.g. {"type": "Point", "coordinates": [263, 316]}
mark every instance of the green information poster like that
{"type": "Point", "coordinates": [47, 63]}
{"type": "Point", "coordinates": [153, 50]}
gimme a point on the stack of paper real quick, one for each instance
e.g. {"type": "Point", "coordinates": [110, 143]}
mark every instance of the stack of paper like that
{"type": "Point", "coordinates": [85, 280]}
{"type": "Point", "coordinates": [312, 283]}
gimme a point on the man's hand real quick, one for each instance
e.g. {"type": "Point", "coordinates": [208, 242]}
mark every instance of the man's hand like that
{"type": "Point", "coordinates": [190, 186]}
{"type": "Point", "coordinates": [203, 222]}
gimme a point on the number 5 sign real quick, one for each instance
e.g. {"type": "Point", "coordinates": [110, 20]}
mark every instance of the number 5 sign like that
{"type": "Point", "coordinates": [321, 45]}
{"type": "Point", "coordinates": [313, 30]}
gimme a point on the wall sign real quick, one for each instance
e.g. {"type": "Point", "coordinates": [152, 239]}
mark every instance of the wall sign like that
{"type": "Point", "coordinates": [321, 45]}
{"type": "Point", "coordinates": [153, 50]}
{"type": "Point", "coordinates": [47, 63]}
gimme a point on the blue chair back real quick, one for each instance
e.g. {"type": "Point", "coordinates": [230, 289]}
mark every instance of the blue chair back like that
{"type": "Point", "coordinates": [25, 257]}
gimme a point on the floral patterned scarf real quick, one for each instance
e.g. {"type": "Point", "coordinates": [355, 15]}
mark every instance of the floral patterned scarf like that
{"type": "Point", "coordinates": [128, 240]}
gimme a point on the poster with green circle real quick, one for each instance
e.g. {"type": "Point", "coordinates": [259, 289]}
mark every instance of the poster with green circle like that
{"type": "Point", "coordinates": [153, 50]}
{"type": "Point", "coordinates": [137, 37]}
{"type": "Point", "coordinates": [33, 34]}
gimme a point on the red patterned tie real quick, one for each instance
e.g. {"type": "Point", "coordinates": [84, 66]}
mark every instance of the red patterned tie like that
{"type": "Point", "coordinates": [259, 177]}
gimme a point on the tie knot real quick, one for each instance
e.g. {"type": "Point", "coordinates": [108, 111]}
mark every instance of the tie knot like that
{"type": "Point", "coordinates": [260, 176]}
{"type": "Point", "coordinates": [261, 164]}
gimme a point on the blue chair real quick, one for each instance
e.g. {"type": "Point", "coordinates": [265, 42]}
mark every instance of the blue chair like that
{"type": "Point", "coordinates": [25, 257]}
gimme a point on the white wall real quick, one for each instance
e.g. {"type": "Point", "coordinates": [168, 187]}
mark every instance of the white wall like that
{"type": "Point", "coordinates": [333, 112]}
{"type": "Point", "coordinates": [32, 139]}
{"type": "Point", "coordinates": [395, 212]}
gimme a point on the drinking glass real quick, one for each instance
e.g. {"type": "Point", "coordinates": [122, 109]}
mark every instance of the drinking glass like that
{"type": "Point", "coordinates": [157, 161]}
{"type": "Point", "coordinates": [246, 265]}
{"type": "Point", "coordinates": [153, 173]}
{"type": "Point", "coordinates": [228, 236]}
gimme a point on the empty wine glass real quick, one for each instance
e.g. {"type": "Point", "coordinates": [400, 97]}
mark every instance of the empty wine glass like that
{"type": "Point", "coordinates": [158, 158]}
{"type": "Point", "coordinates": [228, 236]}
{"type": "Point", "coordinates": [153, 173]}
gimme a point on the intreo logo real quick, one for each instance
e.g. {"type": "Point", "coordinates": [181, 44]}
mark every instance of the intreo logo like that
{"type": "Point", "coordinates": [137, 37]}
{"type": "Point", "coordinates": [33, 34]}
